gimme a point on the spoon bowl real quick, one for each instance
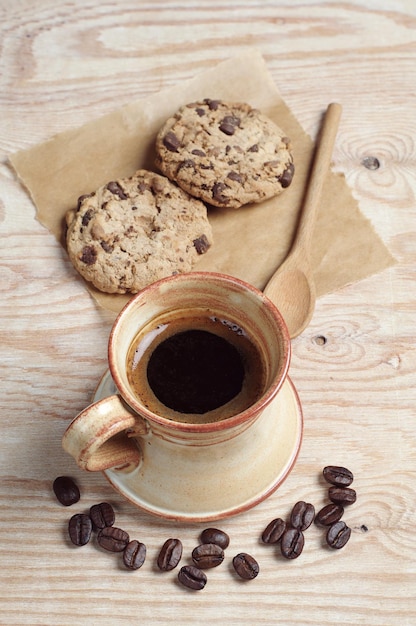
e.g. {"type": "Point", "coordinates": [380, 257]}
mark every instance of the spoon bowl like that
{"type": "Point", "coordinates": [292, 286]}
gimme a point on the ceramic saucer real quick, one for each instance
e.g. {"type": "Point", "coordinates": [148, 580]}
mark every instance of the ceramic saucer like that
{"type": "Point", "coordinates": [176, 490]}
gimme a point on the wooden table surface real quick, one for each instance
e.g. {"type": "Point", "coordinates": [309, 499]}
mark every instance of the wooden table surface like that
{"type": "Point", "coordinates": [65, 62]}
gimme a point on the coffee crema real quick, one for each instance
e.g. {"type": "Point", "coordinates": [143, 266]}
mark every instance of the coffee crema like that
{"type": "Point", "coordinates": [195, 367]}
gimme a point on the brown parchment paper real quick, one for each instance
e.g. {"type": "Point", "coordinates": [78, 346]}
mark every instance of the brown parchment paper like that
{"type": "Point", "coordinates": [249, 243]}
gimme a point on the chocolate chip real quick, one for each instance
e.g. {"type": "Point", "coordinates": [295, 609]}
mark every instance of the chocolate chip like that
{"type": "Point", "coordinates": [229, 124]}
{"type": "Point", "coordinates": [116, 189]}
{"type": "Point", "coordinates": [287, 176]}
{"type": "Point", "coordinates": [235, 176]}
{"type": "Point", "coordinates": [89, 255]}
{"type": "Point", "coordinates": [87, 217]}
{"type": "Point", "coordinates": [82, 198]}
{"type": "Point", "coordinates": [198, 152]}
{"type": "Point", "coordinates": [171, 141]}
{"type": "Point", "coordinates": [217, 192]}
{"type": "Point", "coordinates": [200, 111]}
{"type": "Point", "coordinates": [212, 104]}
{"type": "Point", "coordinates": [254, 148]}
{"type": "Point", "coordinates": [186, 163]}
{"type": "Point", "coordinates": [201, 244]}
{"type": "Point", "coordinates": [106, 246]}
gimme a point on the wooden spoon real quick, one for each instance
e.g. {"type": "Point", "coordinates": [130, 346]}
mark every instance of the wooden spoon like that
{"type": "Point", "coordinates": [292, 286]}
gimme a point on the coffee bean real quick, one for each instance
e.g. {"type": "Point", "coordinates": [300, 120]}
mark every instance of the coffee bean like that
{"type": "Point", "coordinates": [338, 534]}
{"type": "Point", "coordinates": [134, 554]}
{"type": "Point", "coordinates": [208, 555]}
{"type": "Point", "coordinates": [246, 566]}
{"type": "Point", "coordinates": [292, 543]}
{"type": "Point", "coordinates": [329, 514]}
{"type": "Point", "coordinates": [274, 531]}
{"type": "Point", "coordinates": [339, 476]}
{"type": "Point", "coordinates": [213, 535]}
{"type": "Point", "coordinates": [113, 539]}
{"type": "Point", "coordinates": [80, 528]}
{"type": "Point", "coordinates": [192, 577]}
{"type": "Point", "coordinates": [342, 495]}
{"type": "Point", "coordinates": [66, 490]}
{"type": "Point", "coordinates": [302, 515]}
{"type": "Point", "coordinates": [169, 555]}
{"type": "Point", "coordinates": [102, 515]}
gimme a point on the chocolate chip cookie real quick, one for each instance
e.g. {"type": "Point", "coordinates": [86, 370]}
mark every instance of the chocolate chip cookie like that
{"type": "Point", "coordinates": [226, 154]}
{"type": "Point", "coordinates": [133, 231]}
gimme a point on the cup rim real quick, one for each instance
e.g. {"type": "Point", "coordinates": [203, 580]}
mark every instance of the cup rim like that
{"type": "Point", "coordinates": [249, 413]}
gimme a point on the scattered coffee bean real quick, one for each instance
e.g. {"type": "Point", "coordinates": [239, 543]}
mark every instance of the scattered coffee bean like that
{"type": "Point", "coordinates": [292, 543]}
{"type": "Point", "coordinates": [213, 535]}
{"type": "Point", "coordinates": [169, 555]}
{"type": "Point", "coordinates": [134, 554]}
{"type": "Point", "coordinates": [113, 539]}
{"type": "Point", "coordinates": [338, 534]}
{"type": "Point", "coordinates": [302, 515]}
{"type": "Point", "coordinates": [339, 476]}
{"type": "Point", "coordinates": [329, 514]}
{"type": "Point", "coordinates": [192, 577]}
{"type": "Point", "coordinates": [342, 495]}
{"type": "Point", "coordinates": [80, 529]}
{"type": "Point", "coordinates": [66, 490]}
{"type": "Point", "coordinates": [246, 566]}
{"type": "Point", "coordinates": [208, 555]}
{"type": "Point", "coordinates": [274, 531]}
{"type": "Point", "coordinates": [102, 515]}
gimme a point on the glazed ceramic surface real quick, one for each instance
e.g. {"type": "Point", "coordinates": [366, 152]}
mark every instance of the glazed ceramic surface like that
{"type": "Point", "coordinates": [212, 482]}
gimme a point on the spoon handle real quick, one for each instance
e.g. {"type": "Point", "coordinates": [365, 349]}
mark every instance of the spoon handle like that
{"type": "Point", "coordinates": [320, 166]}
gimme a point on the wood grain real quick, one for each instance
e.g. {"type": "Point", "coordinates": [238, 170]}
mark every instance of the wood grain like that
{"type": "Point", "coordinates": [65, 62]}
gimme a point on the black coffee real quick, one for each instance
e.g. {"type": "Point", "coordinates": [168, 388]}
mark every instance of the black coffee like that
{"type": "Point", "coordinates": [195, 371]}
{"type": "Point", "coordinates": [195, 367]}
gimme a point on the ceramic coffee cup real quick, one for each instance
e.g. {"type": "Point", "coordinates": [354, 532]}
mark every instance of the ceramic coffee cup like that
{"type": "Point", "coordinates": [134, 430]}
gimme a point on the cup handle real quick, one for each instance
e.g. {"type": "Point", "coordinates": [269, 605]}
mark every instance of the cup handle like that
{"type": "Point", "coordinates": [102, 436]}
